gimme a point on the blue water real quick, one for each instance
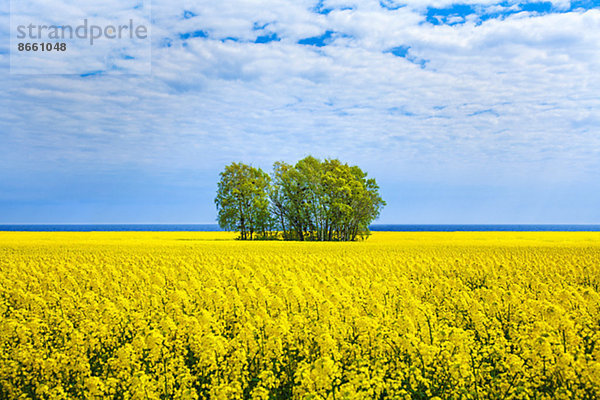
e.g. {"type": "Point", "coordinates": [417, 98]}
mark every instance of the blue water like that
{"type": "Point", "coordinates": [376, 227]}
{"type": "Point", "coordinates": [112, 227]}
{"type": "Point", "coordinates": [483, 228]}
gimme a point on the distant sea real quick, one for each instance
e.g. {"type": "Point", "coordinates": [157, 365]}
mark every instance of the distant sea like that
{"type": "Point", "coordinates": [214, 227]}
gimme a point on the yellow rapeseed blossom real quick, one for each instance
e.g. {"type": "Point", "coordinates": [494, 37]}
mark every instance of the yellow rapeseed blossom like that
{"type": "Point", "coordinates": [198, 315]}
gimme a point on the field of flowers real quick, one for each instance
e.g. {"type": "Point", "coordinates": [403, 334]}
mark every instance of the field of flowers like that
{"type": "Point", "coordinates": [194, 315]}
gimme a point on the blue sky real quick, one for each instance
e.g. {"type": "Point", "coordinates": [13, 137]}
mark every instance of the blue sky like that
{"type": "Point", "coordinates": [470, 112]}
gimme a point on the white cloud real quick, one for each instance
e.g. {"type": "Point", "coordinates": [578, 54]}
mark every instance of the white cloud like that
{"type": "Point", "coordinates": [503, 94]}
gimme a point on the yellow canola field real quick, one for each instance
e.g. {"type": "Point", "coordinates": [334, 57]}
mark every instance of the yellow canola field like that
{"type": "Point", "coordinates": [198, 315]}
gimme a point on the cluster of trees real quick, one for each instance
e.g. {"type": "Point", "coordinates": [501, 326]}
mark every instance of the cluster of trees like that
{"type": "Point", "coordinates": [312, 200]}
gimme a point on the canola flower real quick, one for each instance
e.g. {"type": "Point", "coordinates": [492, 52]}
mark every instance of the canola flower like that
{"type": "Point", "coordinates": [192, 315]}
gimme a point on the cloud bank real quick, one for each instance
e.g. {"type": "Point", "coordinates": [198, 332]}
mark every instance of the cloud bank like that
{"type": "Point", "coordinates": [433, 98]}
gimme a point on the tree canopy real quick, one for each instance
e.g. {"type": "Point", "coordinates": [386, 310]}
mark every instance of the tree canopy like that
{"type": "Point", "coordinates": [311, 200]}
{"type": "Point", "coordinates": [242, 201]}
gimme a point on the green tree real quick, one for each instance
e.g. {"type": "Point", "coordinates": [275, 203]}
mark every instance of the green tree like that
{"type": "Point", "coordinates": [295, 197]}
{"type": "Point", "coordinates": [327, 200]}
{"type": "Point", "coordinates": [243, 201]}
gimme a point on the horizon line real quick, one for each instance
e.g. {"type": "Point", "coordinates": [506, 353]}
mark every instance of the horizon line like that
{"type": "Point", "coordinates": [215, 224]}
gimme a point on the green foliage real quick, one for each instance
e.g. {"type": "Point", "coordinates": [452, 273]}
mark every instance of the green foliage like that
{"type": "Point", "coordinates": [324, 200]}
{"type": "Point", "coordinates": [312, 200]}
{"type": "Point", "coordinates": [242, 201]}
